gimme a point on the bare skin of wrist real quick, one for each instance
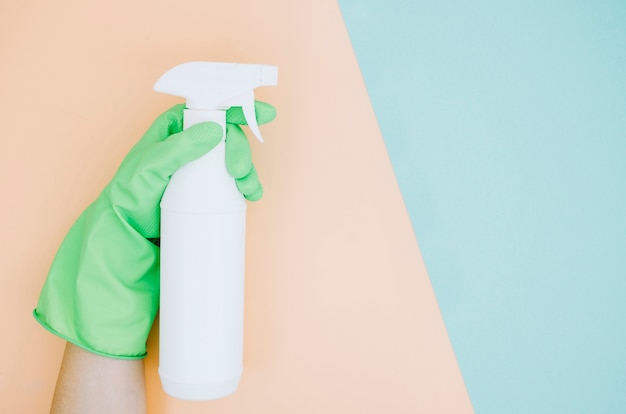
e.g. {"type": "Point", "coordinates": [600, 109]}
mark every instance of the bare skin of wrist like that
{"type": "Point", "coordinates": [90, 383]}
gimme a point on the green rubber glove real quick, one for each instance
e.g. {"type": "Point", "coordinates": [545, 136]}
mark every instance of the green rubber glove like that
{"type": "Point", "coordinates": [102, 291]}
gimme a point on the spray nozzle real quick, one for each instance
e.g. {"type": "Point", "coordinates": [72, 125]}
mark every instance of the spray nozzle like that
{"type": "Point", "coordinates": [219, 86]}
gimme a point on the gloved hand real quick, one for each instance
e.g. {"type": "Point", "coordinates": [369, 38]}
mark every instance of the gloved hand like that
{"type": "Point", "coordinates": [102, 291]}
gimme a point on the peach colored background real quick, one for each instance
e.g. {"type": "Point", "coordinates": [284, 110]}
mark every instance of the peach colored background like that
{"type": "Point", "coordinates": [340, 314]}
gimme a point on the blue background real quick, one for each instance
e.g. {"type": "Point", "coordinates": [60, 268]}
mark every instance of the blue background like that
{"type": "Point", "coordinates": [506, 126]}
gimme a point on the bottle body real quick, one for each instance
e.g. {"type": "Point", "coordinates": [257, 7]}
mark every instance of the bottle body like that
{"type": "Point", "coordinates": [203, 219]}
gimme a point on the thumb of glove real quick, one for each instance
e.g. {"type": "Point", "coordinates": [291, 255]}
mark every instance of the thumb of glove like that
{"type": "Point", "coordinates": [185, 146]}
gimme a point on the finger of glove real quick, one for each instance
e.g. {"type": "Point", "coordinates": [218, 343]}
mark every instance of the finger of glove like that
{"type": "Point", "coordinates": [168, 123]}
{"type": "Point", "coordinates": [264, 113]}
{"type": "Point", "coordinates": [179, 149]}
{"type": "Point", "coordinates": [256, 196]}
{"type": "Point", "coordinates": [250, 186]}
{"type": "Point", "coordinates": [238, 153]}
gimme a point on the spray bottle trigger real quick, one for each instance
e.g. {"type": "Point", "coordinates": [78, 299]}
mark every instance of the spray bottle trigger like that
{"type": "Point", "coordinates": [249, 113]}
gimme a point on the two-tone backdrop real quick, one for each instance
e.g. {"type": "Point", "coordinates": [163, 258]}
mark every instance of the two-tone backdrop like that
{"type": "Point", "coordinates": [506, 125]}
{"type": "Point", "coordinates": [443, 225]}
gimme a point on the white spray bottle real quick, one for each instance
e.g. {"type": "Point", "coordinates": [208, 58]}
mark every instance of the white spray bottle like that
{"type": "Point", "coordinates": [203, 218]}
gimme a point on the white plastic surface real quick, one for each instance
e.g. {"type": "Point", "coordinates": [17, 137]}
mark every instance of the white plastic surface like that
{"type": "Point", "coordinates": [202, 292]}
{"type": "Point", "coordinates": [203, 218]}
{"type": "Point", "coordinates": [203, 233]}
{"type": "Point", "coordinates": [216, 85]}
